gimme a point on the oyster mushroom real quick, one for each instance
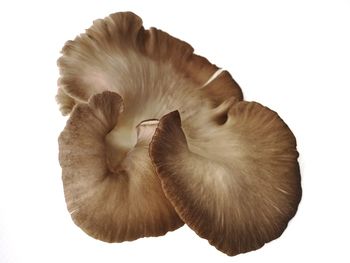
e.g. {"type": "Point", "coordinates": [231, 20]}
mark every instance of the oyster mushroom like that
{"type": "Point", "coordinates": [112, 195]}
{"type": "Point", "coordinates": [117, 80]}
{"type": "Point", "coordinates": [235, 182]}
{"type": "Point", "coordinates": [149, 69]}
{"type": "Point", "coordinates": [227, 168]}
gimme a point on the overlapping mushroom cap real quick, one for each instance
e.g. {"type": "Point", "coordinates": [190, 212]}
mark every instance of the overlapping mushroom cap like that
{"type": "Point", "coordinates": [111, 195]}
{"type": "Point", "coordinates": [237, 183]}
{"type": "Point", "coordinates": [227, 168]}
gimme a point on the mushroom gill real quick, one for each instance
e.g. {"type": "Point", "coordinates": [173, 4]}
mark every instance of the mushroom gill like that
{"type": "Point", "coordinates": [111, 201]}
{"type": "Point", "coordinates": [152, 71]}
{"type": "Point", "coordinates": [132, 167]}
{"type": "Point", "coordinates": [110, 185]}
{"type": "Point", "coordinates": [236, 183]}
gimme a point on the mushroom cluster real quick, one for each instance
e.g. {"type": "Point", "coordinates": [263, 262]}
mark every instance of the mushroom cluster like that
{"type": "Point", "coordinates": [158, 136]}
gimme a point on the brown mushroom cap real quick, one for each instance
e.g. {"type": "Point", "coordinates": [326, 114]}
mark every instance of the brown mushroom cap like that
{"type": "Point", "coordinates": [111, 200]}
{"type": "Point", "coordinates": [110, 185]}
{"type": "Point", "coordinates": [229, 168]}
{"type": "Point", "coordinates": [234, 180]}
{"type": "Point", "coordinates": [149, 69]}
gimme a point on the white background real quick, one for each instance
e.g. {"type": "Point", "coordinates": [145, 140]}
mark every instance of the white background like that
{"type": "Point", "coordinates": [292, 56]}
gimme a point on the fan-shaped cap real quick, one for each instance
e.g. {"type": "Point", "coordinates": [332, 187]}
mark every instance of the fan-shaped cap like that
{"type": "Point", "coordinates": [229, 168]}
{"type": "Point", "coordinates": [112, 191]}
{"type": "Point", "coordinates": [119, 55]}
{"type": "Point", "coordinates": [235, 181]}
{"type": "Point", "coordinates": [104, 155]}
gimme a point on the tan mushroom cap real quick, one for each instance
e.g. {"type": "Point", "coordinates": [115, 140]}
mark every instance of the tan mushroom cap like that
{"type": "Point", "coordinates": [118, 54]}
{"type": "Point", "coordinates": [235, 181]}
{"type": "Point", "coordinates": [154, 73]}
{"type": "Point", "coordinates": [229, 168]}
{"type": "Point", "coordinates": [113, 195]}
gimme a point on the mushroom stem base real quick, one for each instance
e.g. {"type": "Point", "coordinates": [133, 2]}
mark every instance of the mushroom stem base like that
{"type": "Point", "coordinates": [122, 140]}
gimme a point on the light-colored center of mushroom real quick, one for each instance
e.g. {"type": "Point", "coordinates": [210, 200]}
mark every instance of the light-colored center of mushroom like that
{"type": "Point", "coordinates": [123, 140]}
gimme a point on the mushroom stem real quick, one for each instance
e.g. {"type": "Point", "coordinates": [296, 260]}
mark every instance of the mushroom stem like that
{"type": "Point", "coordinates": [118, 143]}
{"type": "Point", "coordinates": [145, 131]}
{"type": "Point", "coordinates": [124, 138]}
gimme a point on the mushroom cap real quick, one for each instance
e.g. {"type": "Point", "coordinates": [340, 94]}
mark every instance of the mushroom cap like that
{"type": "Point", "coordinates": [152, 71]}
{"type": "Point", "coordinates": [234, 180]}
{"type": "Point", "coordinates": [111, 201]}
{"type": "Point", "coordinates": [229, 168]}
{"type": "Point", "coordinates": [110, 185]}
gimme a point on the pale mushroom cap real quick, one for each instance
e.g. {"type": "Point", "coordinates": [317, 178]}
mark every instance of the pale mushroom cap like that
{"type": "Point", "coordinates": [235, 182]}
{"type": "Point", "coordinates": [111, 201]}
